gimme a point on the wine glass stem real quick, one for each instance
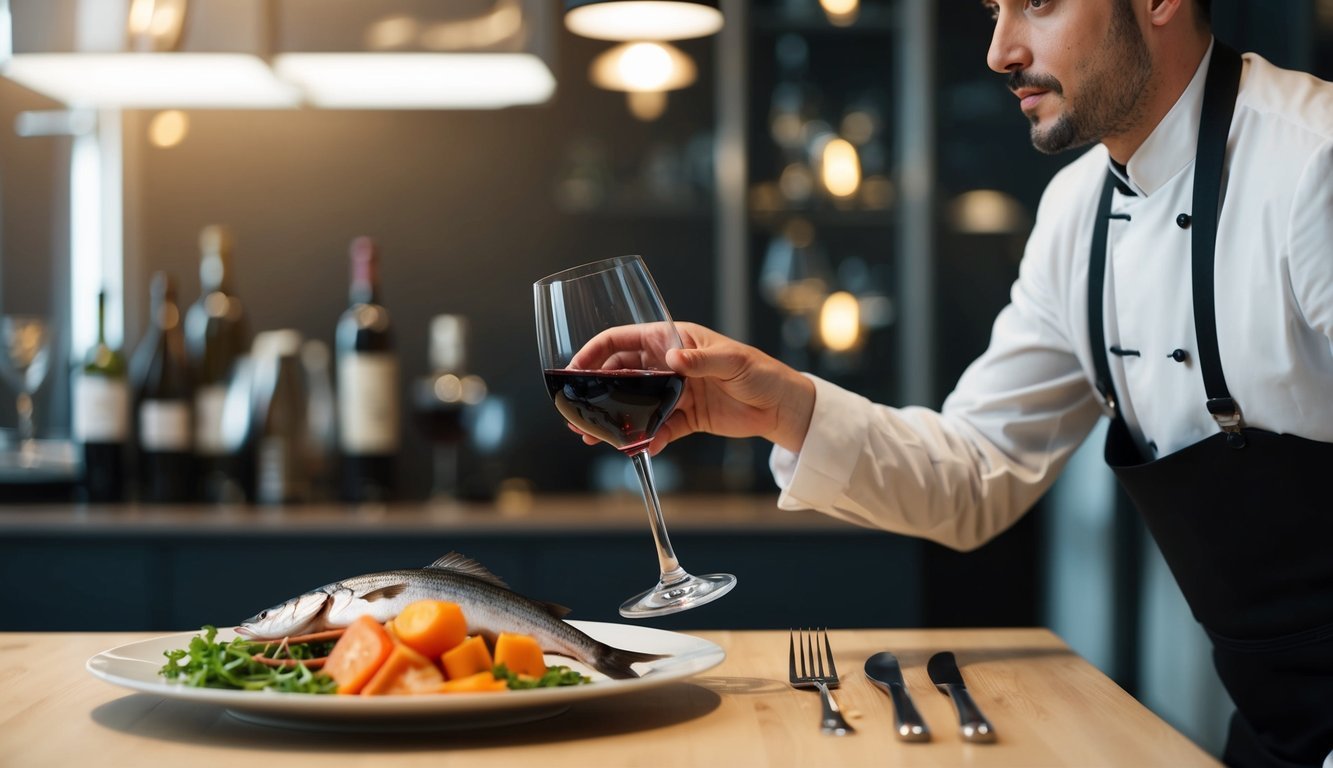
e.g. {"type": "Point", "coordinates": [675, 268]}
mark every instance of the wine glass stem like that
{"type": "Point", "coordinates": [666, 557]}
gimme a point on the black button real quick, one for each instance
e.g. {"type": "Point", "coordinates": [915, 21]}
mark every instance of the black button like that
{"type": "Point", "coordinates": [1183, 221]}
{"type": "Point", "coordinates": [1179, 355]}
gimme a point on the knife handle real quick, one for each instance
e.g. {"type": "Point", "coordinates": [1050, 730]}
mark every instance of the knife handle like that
{"type": "Point", "coordinates": [906, 720]}
{"type": "Point", "coordinates": [971, 723]}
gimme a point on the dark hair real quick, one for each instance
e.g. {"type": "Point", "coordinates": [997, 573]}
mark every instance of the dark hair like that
{"type": "Point", "coordinates": [1205, 6]}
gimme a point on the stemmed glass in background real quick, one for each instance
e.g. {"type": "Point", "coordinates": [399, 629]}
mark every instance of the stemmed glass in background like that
{"type": "Point", "coordinates": [27, 351]}
{"type": "Point", "coordinates": [603, 332]}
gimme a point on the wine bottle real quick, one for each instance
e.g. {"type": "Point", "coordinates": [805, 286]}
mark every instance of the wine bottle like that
{"type": "Point", "coordinates": [442, 399]}
{"type": "Point", "coordinates": [101, 416]}
{"type": "Point", "coordinates": [162, 403]}
{"type": "Point", "coordinates": [367, 373]}
{"type": "Point", "coordinates": [216, 335]}
{"type": "Point", "coordinates": [281, 438]}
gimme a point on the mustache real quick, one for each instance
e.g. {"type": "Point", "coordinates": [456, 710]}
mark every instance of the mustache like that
{"type": "Point", "coordinates": [1021, 78]}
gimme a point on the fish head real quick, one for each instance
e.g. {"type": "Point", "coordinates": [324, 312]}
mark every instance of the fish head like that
{"type": "Point", "coordinates": [346, 605]}
{"type": "Point", "coordinates": [294, 617]}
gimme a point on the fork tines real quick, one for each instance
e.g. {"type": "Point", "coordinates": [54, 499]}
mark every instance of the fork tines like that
{"type": "Point", "coordinates": [812, 656]}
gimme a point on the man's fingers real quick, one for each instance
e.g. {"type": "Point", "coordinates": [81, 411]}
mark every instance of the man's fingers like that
{"type": "Point", "coordinates": [712, 362]}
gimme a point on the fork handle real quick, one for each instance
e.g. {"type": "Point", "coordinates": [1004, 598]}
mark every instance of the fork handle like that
{"type": "Point", "coordinates": [831, 721]}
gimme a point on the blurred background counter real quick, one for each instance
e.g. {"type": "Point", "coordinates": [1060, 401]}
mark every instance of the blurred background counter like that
{"type": "Point", "coordinates": [169, 568]}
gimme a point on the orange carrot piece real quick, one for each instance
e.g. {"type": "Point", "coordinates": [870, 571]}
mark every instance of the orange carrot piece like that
{"type": "Point", "coordinates": [430, 627]}
{"type": "Point", "coordinates": [467, 658]}
{"type": "Point", "coordinates": [405, 671]}
{"type": "Point", "coordinates": [357, 656]}
{"type": "Point", "coordinates": [482, 682]}
{"type": "Point", "coordinates": [521, 654]}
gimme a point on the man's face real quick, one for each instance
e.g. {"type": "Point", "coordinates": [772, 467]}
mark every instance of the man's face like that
{"type": "Point", "coordinates": [1080, 67]}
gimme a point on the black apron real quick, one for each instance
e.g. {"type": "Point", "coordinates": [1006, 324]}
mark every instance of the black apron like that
{"type": "Point", "coordinates": [1244, 518]}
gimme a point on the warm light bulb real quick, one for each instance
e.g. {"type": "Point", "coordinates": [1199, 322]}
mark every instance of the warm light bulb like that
{"type": "Point", "coordinates": [645, 67]}
{"type": "Point", "coordinates": [840, 321]}
{"type": "Point", "coordinates": [841, 13]}
{"type": "Point", "coordinates": [168, 128]}
{"type": "Point", "coordinates": [841, 168]}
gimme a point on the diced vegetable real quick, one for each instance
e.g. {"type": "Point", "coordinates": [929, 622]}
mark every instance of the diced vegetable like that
{"type": "Point", "coordinates": [467, 658]}
{"type": "Point", "coordinates": [405, 671]}
{"type": "Point", "coordinates": [521, 654]}
{"type": "Point", "coordinates": [360, 652]}
{"type": "Point", "coordinates": [482, 682]}
{"type": "Point", "coordinates": [431, 627]}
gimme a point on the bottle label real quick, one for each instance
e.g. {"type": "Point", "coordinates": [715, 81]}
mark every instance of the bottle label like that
{"type": "Point", "coordinates": [208, 406]}
{"type": "Point", "coordinates": [368, 403]}
{"type": "Point", "coordinates": [164, 426]}
{"type": "Point", "coordinates": [101, 409]}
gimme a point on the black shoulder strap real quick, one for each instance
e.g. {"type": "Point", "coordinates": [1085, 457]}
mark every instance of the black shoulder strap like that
{"type": "Point", "coordinates": [1219, 102]}
{"type": "Point", "coordinates": [1097, 293]}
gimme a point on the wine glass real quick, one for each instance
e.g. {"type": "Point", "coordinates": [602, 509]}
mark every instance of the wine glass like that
{"type": "Point", "coordinates": [27, 351]}
{"type": "Point", "coordinates": [603, 332]}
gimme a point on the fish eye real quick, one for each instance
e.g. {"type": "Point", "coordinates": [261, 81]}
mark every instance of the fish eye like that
{"type": "Point", "coordinates": [263, 614]}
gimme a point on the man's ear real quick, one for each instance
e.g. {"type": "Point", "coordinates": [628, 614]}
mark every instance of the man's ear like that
{"type": "Point", "coordinates": [1160, 12]}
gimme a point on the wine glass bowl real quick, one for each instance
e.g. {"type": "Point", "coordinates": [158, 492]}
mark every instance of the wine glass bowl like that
{"type": "Point", "coordinates": [26, 358]}
{"type": "Point", "coordinates": [603, 334]}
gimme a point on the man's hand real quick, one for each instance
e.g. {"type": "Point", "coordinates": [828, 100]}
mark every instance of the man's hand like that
{"type": "Point", "coordinates": [731, 389]}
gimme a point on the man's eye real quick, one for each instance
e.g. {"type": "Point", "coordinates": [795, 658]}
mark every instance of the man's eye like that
{"type": "Point", "coordinates": [1037, 5]}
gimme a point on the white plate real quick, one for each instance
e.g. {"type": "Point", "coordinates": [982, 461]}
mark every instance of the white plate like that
{"type": "Point", "coordinates": [135, 666]}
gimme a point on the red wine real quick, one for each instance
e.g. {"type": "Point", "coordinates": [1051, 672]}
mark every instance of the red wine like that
{"type": "Point", "coordinates": [622, 407]}
{"type": "Point", "coordinates": [367, 385]}
{"type": "Point", "coordinates": [163, 400]}
{"type": "Point", "coordinates": [101, 416]}
{"type": "Point", "coordinates": [215, 336]}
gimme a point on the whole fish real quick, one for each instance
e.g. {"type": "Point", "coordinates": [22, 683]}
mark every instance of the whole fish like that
{"type": "Point", "coordinates": [488, 605]}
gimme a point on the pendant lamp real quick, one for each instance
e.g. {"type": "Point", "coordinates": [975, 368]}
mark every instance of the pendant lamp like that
{"type": "Point", "coordinates": [625, 20]}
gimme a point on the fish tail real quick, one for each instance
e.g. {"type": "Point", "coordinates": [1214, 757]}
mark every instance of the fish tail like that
{"type": "Point", "coordinates": [615, 662]}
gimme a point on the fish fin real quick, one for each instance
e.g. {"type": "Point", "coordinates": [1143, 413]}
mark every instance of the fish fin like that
{"type": "Point", "coordinates": [615, 662]}
{"type": "Point", "coordinates": [384, 593]}
{"type": "Point", "coordinates": [468, 567]}
{"type": "Point", "coordinates": [555, 609]}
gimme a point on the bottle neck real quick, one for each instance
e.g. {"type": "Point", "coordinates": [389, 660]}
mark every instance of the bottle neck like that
{"type": "Point", "coordinates": [214, 274]}
{"type": "Point", "coordinates": [101, 318]}
{"type": "Point", "coordinates": [166, 315]}
{"type": "Point", "coordinates": [365, 283]}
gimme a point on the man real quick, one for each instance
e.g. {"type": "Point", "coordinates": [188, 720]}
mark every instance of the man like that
{"type": "Point", "coordinates": [1206, 337]}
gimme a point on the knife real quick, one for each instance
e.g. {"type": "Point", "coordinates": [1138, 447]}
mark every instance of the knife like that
{"type": "Point", "coordinates": [973, 725]}
{"type": "Point", "coordinates": [884, 672]}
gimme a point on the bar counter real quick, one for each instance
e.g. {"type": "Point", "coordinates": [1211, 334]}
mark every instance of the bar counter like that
{"type": "Point", "coordinates": [163, 568]}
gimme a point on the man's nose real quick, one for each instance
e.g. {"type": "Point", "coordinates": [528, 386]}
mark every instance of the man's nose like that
{"type": "Point", "coordinates": [1008, 45]}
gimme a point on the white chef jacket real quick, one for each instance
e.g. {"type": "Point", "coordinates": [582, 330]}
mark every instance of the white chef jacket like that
{"type": "Point", "coordinates": [964, 475]}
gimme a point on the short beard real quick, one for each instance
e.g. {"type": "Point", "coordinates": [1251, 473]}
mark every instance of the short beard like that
{"type": "Point", "coordinates": [1114, 93]}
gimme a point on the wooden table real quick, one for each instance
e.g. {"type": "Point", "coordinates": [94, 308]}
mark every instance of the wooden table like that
{"type": "Point", "coordinates": [1049, 707]}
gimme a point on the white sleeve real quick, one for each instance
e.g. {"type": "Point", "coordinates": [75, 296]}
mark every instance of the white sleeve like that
{"type": "Point", "coordinates": [962, 476]}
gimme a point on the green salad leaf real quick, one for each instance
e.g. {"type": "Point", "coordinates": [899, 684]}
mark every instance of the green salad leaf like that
{"type": "Point", "coordinates": [555, 677]}
{"type": "Point", "coordinates": [207, 663]}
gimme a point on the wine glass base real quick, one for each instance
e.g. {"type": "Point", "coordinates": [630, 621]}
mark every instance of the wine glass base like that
{"type": "Point", "coordinates": [680, 595]}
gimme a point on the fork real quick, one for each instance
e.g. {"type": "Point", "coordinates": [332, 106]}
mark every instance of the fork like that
{"type": "Point", "coordinates": [811, 675]}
